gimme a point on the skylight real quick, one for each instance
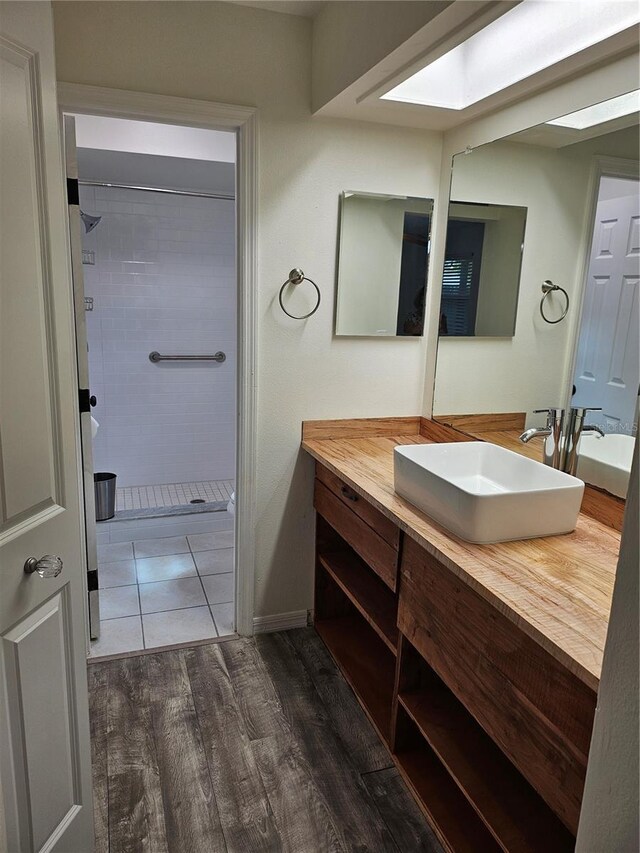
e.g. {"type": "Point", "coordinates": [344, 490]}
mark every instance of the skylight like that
{"type": "Point", "coordinates": [623, 105]}
{"type": "Point", "coordinates": [533, 36]}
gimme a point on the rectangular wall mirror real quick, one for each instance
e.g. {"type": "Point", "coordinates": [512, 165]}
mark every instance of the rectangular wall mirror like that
{"type": "Point", "coordinates": [383, 262]}
{"type": "Point", "coordinates": [576, 179]}
{"type": "Point", "coordinates": [481, 273]}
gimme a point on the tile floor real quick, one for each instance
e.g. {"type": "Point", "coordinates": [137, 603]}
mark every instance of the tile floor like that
{"type": "Point", "coordinates": [173, 494]}
{"type": "Point", "coordinates": [157, 592]}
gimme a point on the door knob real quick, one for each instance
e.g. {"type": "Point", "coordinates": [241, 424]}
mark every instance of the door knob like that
{"type": "Point", "coordinates": [48, 566]}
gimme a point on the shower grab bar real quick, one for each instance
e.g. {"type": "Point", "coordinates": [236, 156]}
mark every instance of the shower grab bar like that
{"type": "Point", "coordinates": [156, 357]}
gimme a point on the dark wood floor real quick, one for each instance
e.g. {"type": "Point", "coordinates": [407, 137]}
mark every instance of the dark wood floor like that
{"type": "Point", "coordinates": [249, 745]}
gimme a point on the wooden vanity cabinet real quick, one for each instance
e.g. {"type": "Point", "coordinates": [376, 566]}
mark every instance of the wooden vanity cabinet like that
{"type": "Point", "coordinates": [538, 713]}
{"type": "Point", "coordinates": [488, 730]}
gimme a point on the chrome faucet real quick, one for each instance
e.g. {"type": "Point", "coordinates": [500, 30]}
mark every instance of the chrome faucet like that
{"type": "Point", "coordinates": [561, 444]}
{"type": "Point", "coordinates": [552, 432]}
{"type": "Point", "coordinates": [575, 427]}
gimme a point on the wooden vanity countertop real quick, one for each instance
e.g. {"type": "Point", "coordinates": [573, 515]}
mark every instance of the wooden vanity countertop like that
{"type": "Point", "coordinates": [557, 589]}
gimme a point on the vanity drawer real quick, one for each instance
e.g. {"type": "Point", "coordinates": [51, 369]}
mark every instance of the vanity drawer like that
{"type": "Point", "coordinates": [383, 526]}
{"type": "Point", "coordinates": [538, 712]}
{"type": "Point", "coordinates": [376, 551]}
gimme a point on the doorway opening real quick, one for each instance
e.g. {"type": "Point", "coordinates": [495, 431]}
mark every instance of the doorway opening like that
{"type": "Point", "coordinates": [157, 220]}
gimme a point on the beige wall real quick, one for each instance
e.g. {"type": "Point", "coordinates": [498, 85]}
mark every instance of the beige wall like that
{"type": "Point", "coordinates": [234, 54]}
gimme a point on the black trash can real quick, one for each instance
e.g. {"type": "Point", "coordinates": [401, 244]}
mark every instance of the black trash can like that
{"type": "Point", "coordinates": [105, 490]}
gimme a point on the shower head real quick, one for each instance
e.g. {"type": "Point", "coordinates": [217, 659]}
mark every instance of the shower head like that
{"type": "Point", "coordinates": [89, 221]}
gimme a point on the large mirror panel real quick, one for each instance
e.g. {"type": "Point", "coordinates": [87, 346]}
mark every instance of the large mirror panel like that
{"type": "Point", "coordinates": [578, 182]}
{"type": "Point", "coordinates": [382, 265]}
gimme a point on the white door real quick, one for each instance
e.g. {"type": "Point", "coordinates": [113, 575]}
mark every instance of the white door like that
{"type": "Point", "coordinates": [45, 769]}
{"type": "Point", "coordinates": [608, 359]}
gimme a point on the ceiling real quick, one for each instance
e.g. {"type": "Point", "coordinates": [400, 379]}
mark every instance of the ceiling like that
{"type": "Point", "coordinates": [305, 8]}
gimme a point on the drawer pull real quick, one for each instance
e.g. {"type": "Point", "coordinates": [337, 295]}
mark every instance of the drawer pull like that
{"type": "Point", "coordinates": [349, 493]}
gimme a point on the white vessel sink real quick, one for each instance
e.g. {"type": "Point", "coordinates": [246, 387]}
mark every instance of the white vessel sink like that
{"type": "Point", "coordinates": [484, 493]}
{"type": "Point", "coordinates": [606, 462]}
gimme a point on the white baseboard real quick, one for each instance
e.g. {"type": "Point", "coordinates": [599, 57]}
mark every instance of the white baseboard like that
{"type": "Point", "coordinates": [280, 622]}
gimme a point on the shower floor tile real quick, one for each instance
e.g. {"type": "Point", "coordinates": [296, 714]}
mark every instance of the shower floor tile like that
{"type": "Point", "coordinates": [172, 494]}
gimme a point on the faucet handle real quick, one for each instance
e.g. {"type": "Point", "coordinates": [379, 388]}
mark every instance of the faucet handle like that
{"type": "Point", "coordinates": [553, 413]}
{"type": "Point", "coordinates": [582, 410]}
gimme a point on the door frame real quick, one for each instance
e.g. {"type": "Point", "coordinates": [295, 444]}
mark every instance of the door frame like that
{"type": "Point", "coordinates": [609, 167]}
{"type": "Point", "coordinates": [141, 106]}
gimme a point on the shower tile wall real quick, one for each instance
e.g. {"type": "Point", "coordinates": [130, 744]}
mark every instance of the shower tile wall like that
{"type": "Point", "coordinates": [163, 279]}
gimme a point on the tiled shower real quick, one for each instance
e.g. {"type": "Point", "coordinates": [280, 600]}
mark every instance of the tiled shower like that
{"type": "Point", "coordinates": [159, 274]}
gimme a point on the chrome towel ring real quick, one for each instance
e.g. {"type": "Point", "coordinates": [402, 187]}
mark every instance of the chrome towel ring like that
{"type": "Point", "coordinates": [296, 276]}
{"type": "Point", "coordinates": [547, 288]}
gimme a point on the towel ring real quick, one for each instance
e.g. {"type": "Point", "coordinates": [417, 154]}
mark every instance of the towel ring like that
{"type": "Point", "coordinates": [547, 288]}
{"type": "Point", "coordinates": [296, 276]}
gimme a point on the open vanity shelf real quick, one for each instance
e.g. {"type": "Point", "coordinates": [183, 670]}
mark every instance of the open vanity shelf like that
{"type": "Point", "coordinates": [365, 664]}
{"type": "Point", "coordinates": [475, 767]}
{"type": "Point", "coordinates": [511, 810]}
{"type": "Point", "coordinates": [356, 615]}
{"type": "Point", "coordinates": [375, 603]}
